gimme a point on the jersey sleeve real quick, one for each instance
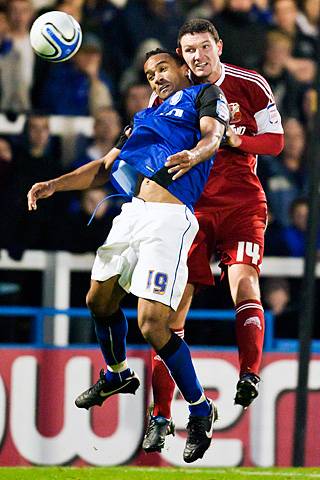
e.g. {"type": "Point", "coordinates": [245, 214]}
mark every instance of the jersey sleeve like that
{"type": "Point", "coordinates": [266, 114]}
{"type": "Point", "coordinates": [211, 102]}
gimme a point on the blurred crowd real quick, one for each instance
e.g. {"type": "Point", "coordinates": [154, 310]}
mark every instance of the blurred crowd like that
{"type": "Point", "coordinates": [105, 81]}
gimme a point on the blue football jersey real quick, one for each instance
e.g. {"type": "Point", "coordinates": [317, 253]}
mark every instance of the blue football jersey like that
{"type": "Point", "coordinates": [161, 131]}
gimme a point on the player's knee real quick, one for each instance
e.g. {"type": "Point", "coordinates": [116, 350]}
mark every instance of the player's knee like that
{"type": "Point", "coordinates": [100, 307]}
{"type": "Point", "coordinates": [248, 288]}
{"type": "Point", "coordinates": [149, 326]}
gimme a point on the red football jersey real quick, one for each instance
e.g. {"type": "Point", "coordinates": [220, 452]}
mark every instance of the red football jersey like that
{"type": "Point", "coordinates": [252, 104]}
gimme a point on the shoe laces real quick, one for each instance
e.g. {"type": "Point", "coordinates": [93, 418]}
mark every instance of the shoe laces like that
{"type": "Point", "coordinates": [97, 387]}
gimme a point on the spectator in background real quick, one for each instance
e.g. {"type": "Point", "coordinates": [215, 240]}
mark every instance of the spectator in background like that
{"type": "Point", "coordinates": [106, 130]}
{"type": "Point", "coordinates": [77, 236]}
{"type": "Point", "coordinates": [277, 298]}
{"type": "Point", "coordinates": [6, 178]}
{"type": "Point", "coordinates": [158, 19]}
{"type": "Point", "coordinates": [287, 91]}
{"type": "Point", "coordinates": [20, 15]}
{"type": "Point", "coordinates": [274, 242]}
{"type": "Point", "coordinates": [79, 86]}
{"type": "Point", "coordinates": [206, 9]}
{"type": "Point", "coordinates": [36, 155]}
{"type": "Point", "coordinates": [6, 167]}
{"type": "Point", "coordinates": [243, 36]}
{"type": "Point", "coordinates": [295, 233]}
{"type": "Point", "coordinates": [106, 19]}
{"type": "Point", "coordinates": [302, 63]}
{"type": "Point", "coordinates": [285, 178]}
{"type": "Point", "coordinates": [136, 98]}
{"type": "Point", "coordinates": [135, 73]}
{"type": "Point", "coordinates": [14, 92]}
{"type": "Point", "coordinates": [308, 17]}
{"type": "Point", "coordinates": [71, 7]}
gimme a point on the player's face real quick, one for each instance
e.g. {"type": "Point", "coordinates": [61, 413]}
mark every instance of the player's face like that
{"type": "Point", "coordinates": [201, 53]}
{"type": "Point", "coordinates": [165, 76]}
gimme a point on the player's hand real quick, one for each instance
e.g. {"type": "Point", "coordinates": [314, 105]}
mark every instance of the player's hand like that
{"type": "Point", "coordinates": [37, 191]}
{"type": "Point", "coordinates": [180, 163]}
{"type": "Point", "coordinates": [233, 140]}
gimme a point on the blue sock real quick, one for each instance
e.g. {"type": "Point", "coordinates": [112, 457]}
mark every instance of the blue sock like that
{"type": "Point", "coordinates": [176, 355]}
{"type": "Point", "coordinates": [111, 333]}
{"type": "Point", "coordinates": [202, 409]}
{"type": "Point", "coordinates": [116, 377]}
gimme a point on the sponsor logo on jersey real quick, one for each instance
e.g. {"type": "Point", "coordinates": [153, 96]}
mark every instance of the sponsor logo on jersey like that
{"type": "Point", "coordinates": [238, 130]}
{"type": "Point", "coordinates": [274, 116]}
{"type": "Point", "coordinates": [236, 115]}
{"type": "Point", "coordinates": [176, 98]}
{"type": "Point", "coordinates": [253, 321]}
{"type": "Point", "coordinates": [223, 110]}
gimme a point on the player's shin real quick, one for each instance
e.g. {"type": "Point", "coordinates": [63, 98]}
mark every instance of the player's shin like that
{"type": "Point", "coordinates": [176, 356]}
{"type": "Point", "coordinates": [111, 333]}
{"type": "Point", "coordinates": [162, 383]}
{"type": "Point", "coordinates": [250, 334]}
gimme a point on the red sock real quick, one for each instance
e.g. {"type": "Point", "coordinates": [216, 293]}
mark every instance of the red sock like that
{"type": "Point", "coordinates": [163, 384]}
{"type": "Point", "coordinates": [250, 333]}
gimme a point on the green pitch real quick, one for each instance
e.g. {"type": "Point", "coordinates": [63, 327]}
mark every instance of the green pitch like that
{"type": "Point", "coordinates": [144, 473]}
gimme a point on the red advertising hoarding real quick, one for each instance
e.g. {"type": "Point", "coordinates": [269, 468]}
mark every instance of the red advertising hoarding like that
{"type": "Point", "coordinates": [40, 425]}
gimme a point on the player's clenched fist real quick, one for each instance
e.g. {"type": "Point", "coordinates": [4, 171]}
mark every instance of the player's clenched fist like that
{"type": "Point", "coordinates": [37, 191]}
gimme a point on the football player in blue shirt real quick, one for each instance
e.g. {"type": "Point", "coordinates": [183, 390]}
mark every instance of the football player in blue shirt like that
{"type": "Point", "coordinates": [146, 250]}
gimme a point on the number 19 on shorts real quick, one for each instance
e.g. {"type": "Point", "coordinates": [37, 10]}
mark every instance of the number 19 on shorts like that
{"type": "Point", "coordinates": [157, 281]}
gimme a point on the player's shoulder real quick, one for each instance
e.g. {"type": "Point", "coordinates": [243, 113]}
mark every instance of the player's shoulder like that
{"type": "Point", "coordinates": [247, 78]}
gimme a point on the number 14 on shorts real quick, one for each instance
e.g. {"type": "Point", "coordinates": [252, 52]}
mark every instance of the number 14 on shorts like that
{"type": "Point", "coordinates": [250, 249]}
{"type": "Point", "coordinates": [157, 281]}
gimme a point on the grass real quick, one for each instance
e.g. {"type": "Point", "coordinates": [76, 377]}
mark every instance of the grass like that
{"type": "Point", "coordinates": [145, 473]}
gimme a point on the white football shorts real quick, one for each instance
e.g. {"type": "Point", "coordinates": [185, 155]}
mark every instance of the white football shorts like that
{"type": "Point", "coordinates": [148, 247]}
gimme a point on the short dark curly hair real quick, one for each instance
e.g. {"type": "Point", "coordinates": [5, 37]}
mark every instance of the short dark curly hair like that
{"type": "Point", "coordinates": [177, 58]}
{"type": "Point", "coordinates": [198, 25]}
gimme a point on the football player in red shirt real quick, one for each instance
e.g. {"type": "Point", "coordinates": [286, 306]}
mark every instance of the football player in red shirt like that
{"type": "Point", "coordinates": [232, 214]}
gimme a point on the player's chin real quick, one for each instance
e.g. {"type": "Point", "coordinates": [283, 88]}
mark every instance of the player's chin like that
{"type": "Point", "coordinates": [165, 93]}
{"type": "Point", "coordinates": [202, 72]}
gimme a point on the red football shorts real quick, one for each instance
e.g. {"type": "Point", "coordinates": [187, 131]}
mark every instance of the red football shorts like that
{"type": "Point", "coordinates": [231, 234]}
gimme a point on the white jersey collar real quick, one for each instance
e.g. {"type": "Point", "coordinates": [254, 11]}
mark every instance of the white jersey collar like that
{"type": "Point", "coordinates": [222, 76]}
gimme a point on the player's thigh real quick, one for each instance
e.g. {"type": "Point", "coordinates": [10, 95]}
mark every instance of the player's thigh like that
{"type": "Point", "coordinates": [154, 313]}
{"type": "Point", "coordinates": [116, 257]}
{"type": "Point", "coordinates": [104, 298]}
{"type": "Point", "coordinates": [241, 236]}
{"type": "Point", "coordinates": [153, 321]}
{"type": "Point", "coordinates": [161, 271]}
{"type": "Point", "coordinates": [178, 318]}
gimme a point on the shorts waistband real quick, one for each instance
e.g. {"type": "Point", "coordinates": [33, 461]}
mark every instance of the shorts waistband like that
{"type": "Point", "coordinates": [139, 203]}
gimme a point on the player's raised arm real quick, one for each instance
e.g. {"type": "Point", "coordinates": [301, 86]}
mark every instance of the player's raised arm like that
{"type": "Point", "coordinates": [93, 174]}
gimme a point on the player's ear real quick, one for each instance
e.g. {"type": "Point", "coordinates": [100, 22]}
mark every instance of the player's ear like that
{"type": "Point", "coordinates": [185, 70]}
{"type": "Point", "coordinates": [179, 51]}
{"type": "Point", "coordinates": [220, 47]}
